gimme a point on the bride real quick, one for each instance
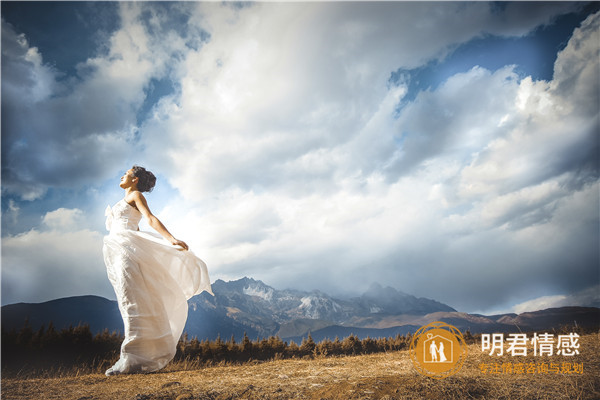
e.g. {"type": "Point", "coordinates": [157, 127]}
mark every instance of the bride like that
{"type": "Point", "coordinates": [153, 277]}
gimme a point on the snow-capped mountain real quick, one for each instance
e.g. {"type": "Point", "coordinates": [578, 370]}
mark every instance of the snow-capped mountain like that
{"type": "Point", "coordinates": [264, 309]}
{"type": "Point", "coordinates": [252, 307]}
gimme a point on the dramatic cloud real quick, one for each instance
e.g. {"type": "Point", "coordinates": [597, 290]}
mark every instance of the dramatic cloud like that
{"type": "Point", "coordinates": [329, 174]}
{"type": "Point", "coordinates": [281, 90]}
{"type": "Point", "coordinates": [300, 154]}
{"type": "Point", "coordinates": [56, 255]}
{"type": "Point", "coordinates": [65, 131]}
{"type": "Point", "coordinates": [586, 298]}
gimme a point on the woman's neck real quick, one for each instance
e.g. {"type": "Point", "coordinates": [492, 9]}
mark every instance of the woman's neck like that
{"type": "Point", "coordinates": [130, 190]}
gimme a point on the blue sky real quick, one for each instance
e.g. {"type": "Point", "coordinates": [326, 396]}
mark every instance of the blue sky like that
{"type": "Point", "coordinates": [449, 150]}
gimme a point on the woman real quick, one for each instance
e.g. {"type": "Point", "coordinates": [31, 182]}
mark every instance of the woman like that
{"type": "Point", "coordinates": [153, 278]}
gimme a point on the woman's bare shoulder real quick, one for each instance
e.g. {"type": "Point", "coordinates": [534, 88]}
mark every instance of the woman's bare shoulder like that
{"type": "Point", "coordinates": [135, 196]}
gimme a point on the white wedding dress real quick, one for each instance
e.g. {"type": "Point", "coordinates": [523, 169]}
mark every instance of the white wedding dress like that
{"type": "Point", "coordinates": [153, 281]}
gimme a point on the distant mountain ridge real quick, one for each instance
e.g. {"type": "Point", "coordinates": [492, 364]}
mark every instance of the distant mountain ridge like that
{"type": "Point", "coordinates": [247, 299]}
{"type": "Point", "coordinates": [250, 306]}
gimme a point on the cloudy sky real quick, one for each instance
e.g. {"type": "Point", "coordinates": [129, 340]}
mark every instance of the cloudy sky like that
{"type": "Point", "coordinates": [449, 150]}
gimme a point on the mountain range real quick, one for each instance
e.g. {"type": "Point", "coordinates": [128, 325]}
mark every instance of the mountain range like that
{"type": "Point", "coordinates": [252, 307]}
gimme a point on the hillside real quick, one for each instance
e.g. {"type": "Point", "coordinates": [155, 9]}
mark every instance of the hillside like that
{"type": "Point", "coordinates": [252, 307]}
{"type": "Point", "coordinates": [386, 376]}
{"type": "Point", "coordinates": [244, 305]}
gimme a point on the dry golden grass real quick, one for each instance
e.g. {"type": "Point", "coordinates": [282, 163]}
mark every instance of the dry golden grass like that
{"type": "Point", "coordinates": [379, 376]}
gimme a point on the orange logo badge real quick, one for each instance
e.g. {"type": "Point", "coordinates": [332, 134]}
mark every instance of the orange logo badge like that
{"type": "Point", "coordinates": [438, 350]}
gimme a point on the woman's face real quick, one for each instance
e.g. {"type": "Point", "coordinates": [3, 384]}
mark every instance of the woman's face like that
{"type": "Point", "coordinates": [128, 179]}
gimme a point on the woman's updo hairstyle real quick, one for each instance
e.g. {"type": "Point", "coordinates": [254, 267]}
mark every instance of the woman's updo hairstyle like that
{"type": "Point", "coordinates": [146, 179]}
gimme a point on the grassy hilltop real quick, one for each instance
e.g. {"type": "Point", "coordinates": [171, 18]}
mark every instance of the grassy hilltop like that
{"type": "Point", "coordinates": [387, 375]}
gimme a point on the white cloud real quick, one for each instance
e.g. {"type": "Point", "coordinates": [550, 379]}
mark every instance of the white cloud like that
{"type": "Point", "coordinates": [296, 165]}
{"type": "Point", "coordinates": [587, 297]}
{"type": "Point", "coordinates": [68, 131]}
{"type": "Point", "coordinates": [457, 189]}
{"type": "Point", "coordinates": [56, 259]}
{"type": "Point", "coordinates": [456, 120]}
{"type": "Point", "coordinates": [12, 213]}
{"type": "Point", "coordinates": [576, 69]}
{"type": "Point", "coordinates": [63, 219]}
{"type": "Point", "coordinates": [280, 85]}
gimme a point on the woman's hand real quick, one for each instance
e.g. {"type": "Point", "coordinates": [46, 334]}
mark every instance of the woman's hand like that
{"type": "Point", "coordinates": [181, 243]}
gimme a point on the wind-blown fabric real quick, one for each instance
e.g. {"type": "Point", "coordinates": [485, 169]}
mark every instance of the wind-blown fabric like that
{"type": "Point", "coordinates": [153, 281]}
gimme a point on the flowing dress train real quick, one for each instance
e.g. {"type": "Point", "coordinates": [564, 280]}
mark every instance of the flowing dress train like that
{"type": "Point", "coordinates": [152, 280]}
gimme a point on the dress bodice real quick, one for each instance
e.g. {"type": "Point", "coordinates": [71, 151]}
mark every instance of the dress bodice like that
{"type": "Point", "coordinates": [122, 216]}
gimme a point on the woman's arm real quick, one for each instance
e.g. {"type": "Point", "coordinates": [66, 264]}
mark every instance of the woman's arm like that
{"type": "Point", "coordinates": [142, 206]}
